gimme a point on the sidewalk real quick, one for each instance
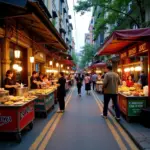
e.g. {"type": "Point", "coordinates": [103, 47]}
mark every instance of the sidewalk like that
{"type": "Point", "coordinates": [137, 132]}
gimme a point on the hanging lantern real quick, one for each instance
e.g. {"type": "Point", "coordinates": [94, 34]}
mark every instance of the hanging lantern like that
{"type": "Point", "coordinates": [15, 66]}
{"type": "Point", "coordinates": [57, 64]}
{"type": "Point", "coordinates": [50, 63]}
{"type": "Point", "coordinates": [19, 69]}
{"type": "Point", "coordinates": [17, 53]}
{"type": "Point", "coordinates": [32, 59]}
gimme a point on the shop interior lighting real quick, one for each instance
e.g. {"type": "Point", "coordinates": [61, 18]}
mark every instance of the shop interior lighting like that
{"type": "Point", "coordinates": [132, 69]}
{"type": "Point", "coordinates": [57, 64]}
{"type": "Point", "coordinates": [17, 53]}
{"type": "Point", "coordinates": [32, 59]}
{"type": "Point", "coordinates": [127, 70]}
{"type": "Point", "coordinates": [51, 71]}
{"type": "Point", "coordinates": [50, 63]}
{"type": "Point", "coordinates": [61, 65]}
{"type": "Point", "coordinates": [119, 70]}
{"type": "Point", "coordinates": [138, 68]}
{"type": "Point", "coordinates": [68, 68]}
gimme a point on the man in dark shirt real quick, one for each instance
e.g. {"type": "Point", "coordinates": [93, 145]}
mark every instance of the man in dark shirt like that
{"type": "Point", "coordinates": [33, 80]}
{"type": "Point", "coordinates": [61, 93]}
{"type": "Point", "coordinates": [143, 79]}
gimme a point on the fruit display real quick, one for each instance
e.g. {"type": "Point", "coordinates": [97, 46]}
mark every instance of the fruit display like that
{"type": "Point", "coordinates": [131, 91]}
{"type": "Point", "coordinates": [15, 100]}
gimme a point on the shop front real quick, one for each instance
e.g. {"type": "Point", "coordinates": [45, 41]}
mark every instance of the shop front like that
{"type": "Point", "coordinates": [134, 50]}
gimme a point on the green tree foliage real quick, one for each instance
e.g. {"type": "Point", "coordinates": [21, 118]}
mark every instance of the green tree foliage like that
{"type": "Point", "coordinates": [87, 55]}
{"type": "Point", "coordinates": [75, 58]}
{"type": "Point", "coordinates": [113, 13]}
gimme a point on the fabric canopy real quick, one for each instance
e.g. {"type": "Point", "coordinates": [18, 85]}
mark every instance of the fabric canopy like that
{"type": "Point", "coordinates": [98, 65]}
{"type": "Point", "coordinates": [67, 62]}
{"type": "Point", "coordinates": [120, 39]}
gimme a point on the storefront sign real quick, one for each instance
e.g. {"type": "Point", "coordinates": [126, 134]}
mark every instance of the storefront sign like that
{"type": "Point", "coordinates": [5, 120]}
{"type": "Point", "coordinates": [143, 48]}
{"type": "Point", "coordinates": [123, 55]}
{"type": "Point", "coordinates": [40, 57]}
{"type": "Point", "coordinates": [135, 106]}
{"type": "Point", "coordinates": [26, 111]}
{"type": "Point", "coordinates": [132, 51]}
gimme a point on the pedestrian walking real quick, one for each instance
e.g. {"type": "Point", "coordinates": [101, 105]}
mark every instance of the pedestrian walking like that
{"type": "Point", "coordinates": [94, 79]}
{"type": "Point", "coordinates": [87, 81]}
{"type": "Point", "coordinates": [61, 93]}
{"type": "Point", "coordinates": [79, 81]}
{"type": "Point", "coordinates": [111, 82]}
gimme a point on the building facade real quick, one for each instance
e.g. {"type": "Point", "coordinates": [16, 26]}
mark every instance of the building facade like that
{"type": "Point", "coordinates": [59, 11]}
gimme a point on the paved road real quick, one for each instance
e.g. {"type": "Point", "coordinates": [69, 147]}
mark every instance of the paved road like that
{"type": "Point", "coordinates": [80, 127]}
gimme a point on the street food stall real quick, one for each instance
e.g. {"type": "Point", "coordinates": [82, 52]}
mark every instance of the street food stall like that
{"type": "Point", "coordinates": [99, 69]}
{"type": "Point", "coordinates": [17, 112]}
{"type": "Point", "coordinates": [45, 99]}
{"type": "Point", "coordinates": [134, 50]}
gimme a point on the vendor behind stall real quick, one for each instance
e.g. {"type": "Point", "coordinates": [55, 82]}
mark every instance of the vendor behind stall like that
{"type": "Point", "coordinates": [129, 81]}
{"type": "Point", "coordinates": [33, 80]}
{"type": "Point", "coordinates": [9, 83]}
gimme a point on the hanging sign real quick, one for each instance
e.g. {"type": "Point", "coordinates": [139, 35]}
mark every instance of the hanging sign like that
{"type": "Point", "coordinates": [143, 48]}
{"type": "Point", "coordinates": [123, 55]}
{"type": "Point", "coordinates": [132, 52]}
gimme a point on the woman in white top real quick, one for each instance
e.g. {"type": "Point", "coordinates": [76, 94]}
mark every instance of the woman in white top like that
{"type": "Point", "coordinates": [87, 81]}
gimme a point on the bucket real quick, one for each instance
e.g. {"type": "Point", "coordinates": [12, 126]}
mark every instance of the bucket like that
{"type": "Point", "coordinates": [21, 91]}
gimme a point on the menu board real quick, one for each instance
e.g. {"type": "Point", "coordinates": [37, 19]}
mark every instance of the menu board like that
{"type": "Point", "coordinates": [135, 107]}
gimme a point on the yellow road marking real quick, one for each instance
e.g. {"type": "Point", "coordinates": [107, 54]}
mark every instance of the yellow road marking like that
{"type": "Point", "coordinates": [52, 129]}
{"type": "Point", "coordinates": [46, 128]}
{"type": "Point", "coordinates": [112, 129]}
{"type": "Point", "coordinates": [123, 133]}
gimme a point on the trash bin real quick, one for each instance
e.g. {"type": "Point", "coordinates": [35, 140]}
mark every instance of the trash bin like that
{"type": "Point", "coordinates": [145, 117]}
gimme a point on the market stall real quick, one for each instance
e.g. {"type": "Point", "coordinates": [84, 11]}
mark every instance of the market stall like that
{"type": "Point", "coordinates": [17, 112]}
{"type": "Point", "coordinates": [134, 51]}
{"type": "Point", "coordinates": [45, 100]}
{"type": "Point", "coordinates": [98, 68]}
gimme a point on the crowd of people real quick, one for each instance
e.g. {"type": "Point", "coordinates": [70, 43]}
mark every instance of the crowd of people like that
{"type": "Point", "coordinates": [111, 81]}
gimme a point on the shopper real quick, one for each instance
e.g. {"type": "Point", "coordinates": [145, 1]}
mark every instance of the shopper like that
{"type": "Point", "coordinates": [61, 93]}
{"type": "Point", "coordinates": [79, 81]}
{"type": "Point", "coordinates": [87, 81]}
{"type": "Point", "coordinates": [94, 79]}
{"type": "Point", "coordinates": [111, 82]}
{"type": "Point", "coordinates": [9, 83]}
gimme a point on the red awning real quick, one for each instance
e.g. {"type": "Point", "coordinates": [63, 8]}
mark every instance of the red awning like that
{"type": "Point", "coordinates": [102, 65]}
{"type": "Point", "coordinates": [67, 62]}
{"type": "Point", "coordinates": [120, 39]}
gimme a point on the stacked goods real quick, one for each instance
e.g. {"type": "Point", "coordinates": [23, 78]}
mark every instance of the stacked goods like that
{"type": "Point", "coordinates": [131, 91]}
{"type": "Point", "coordinates": [16, 100]}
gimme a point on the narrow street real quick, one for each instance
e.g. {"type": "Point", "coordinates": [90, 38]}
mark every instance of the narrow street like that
{"type": "Point", "coordinates": [80, 127]}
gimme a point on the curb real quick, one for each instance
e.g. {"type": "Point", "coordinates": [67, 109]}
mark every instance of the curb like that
{"type": "Point", "coordinates": [130, 135]}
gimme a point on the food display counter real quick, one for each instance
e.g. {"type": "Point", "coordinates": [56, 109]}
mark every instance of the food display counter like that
{"type": "Point", "coordinates": [16, 113]}
{"type": "Point", "coordinates": [99, 85]}
{"type": "Point", "coordinates": [45, 100]}
{"type": "Point", "coordinates": [131, 101]}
